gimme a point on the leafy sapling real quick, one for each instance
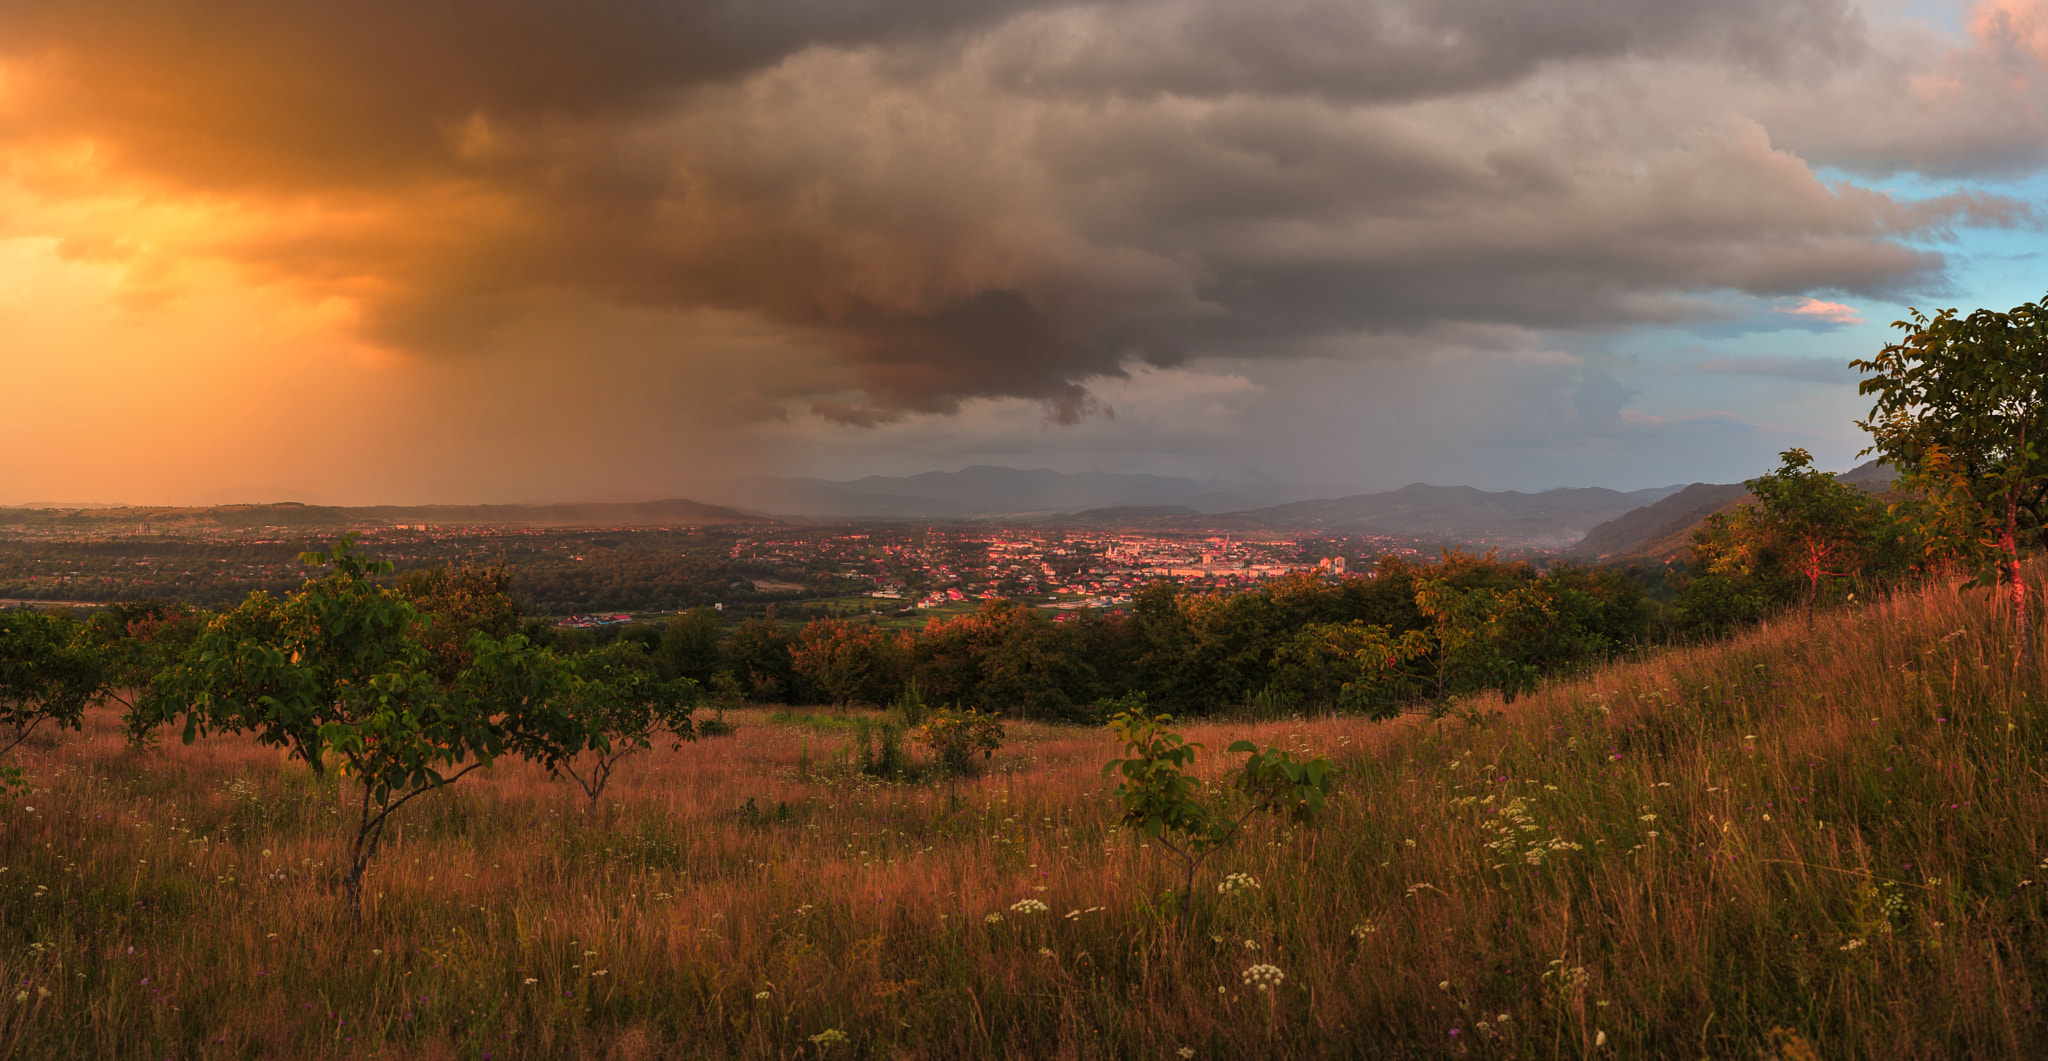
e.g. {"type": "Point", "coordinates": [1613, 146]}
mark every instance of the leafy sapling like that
{"type": "Point", "coordinates": [48, 674]}
{"type": "Point", "coordinates": [955, 737]}
{"type": "Point", "coordinates": [619, 693]}
{"type": "Point", "coordinates": [1161, 798]}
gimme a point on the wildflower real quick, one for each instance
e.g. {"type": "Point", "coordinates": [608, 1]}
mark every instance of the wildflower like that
{"type": "Point", "coordinates": [1045, 952]}
{"type": "Point", "coordinates": [1443, 985]}
{"type": "Point", "coordinates": [533, 980]}
{"type": "Point", "coordinates": [993, 919]}
{"type": "Point", "coordinates": [1363, 929]}
{"type": "Point", "coordinates": [1028, 906]}
{"type": "Point", "coordinates": [1599, 1037]}
{"type": "Point", "coordinates": [1251, 944]}
{"type": "Point", "coordinates": [1237, 882]}
{"type": "Point", "coordinates": [1186, 1051]}
{"type": "Point", "coordinates": [1647, 818]}
{"type": "Point", "coordinates": [1264, 977]}
{"type": "Point", "coordinates": [21, 996]}
{"type": "Point", "coordinates": [1852, 944]}
{"type": "Point", "coordinates": [829, 1037]}
{"type": "Point", "coordinates": [763, 996]}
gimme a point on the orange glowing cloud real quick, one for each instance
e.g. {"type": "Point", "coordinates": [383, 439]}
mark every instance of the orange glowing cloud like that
{"type": "Point", "coordinates": [2013, 27]}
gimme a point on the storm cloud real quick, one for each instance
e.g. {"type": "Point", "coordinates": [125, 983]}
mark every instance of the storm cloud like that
{"type": "Point", "coordinates": [938, 202]}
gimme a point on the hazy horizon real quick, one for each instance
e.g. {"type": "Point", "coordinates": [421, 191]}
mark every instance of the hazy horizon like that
{"type": "Point", "coordinates": [392, 254]}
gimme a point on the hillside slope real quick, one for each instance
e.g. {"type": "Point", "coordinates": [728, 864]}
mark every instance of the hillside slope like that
{"type": "Point", "coordinates": [1807, 842]}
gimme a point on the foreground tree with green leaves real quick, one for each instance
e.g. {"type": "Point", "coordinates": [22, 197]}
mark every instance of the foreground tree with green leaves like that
{"type": "Point", "coordinates": [341, 672]}
{"type": "Point", "coordinates": [1163, 800]}
{"type": "Point", "coordinates": [1962, 412]}
{"type": "Point", "coordinates": [48, 675]}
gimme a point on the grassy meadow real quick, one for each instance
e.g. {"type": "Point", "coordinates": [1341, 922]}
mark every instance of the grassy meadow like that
{"type": "Point", "coordinates": [1797, 844]}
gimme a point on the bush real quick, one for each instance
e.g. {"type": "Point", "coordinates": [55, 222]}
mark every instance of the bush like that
{"type": "Point", "coordinates": [954, 736]}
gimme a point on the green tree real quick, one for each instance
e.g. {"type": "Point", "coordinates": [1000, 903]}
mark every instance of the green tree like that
{"type": "Point", "coordinates": [757, 654]}
{"type": "Point", "coordinates": [1500, 626]}
{"type": "Point", "coordinates": [1819, 527]}
{"type": "Point", "coordinates": [1351, 665]}
{"type": "Point", "coordinates": [136, 640]}
{"type": "Point", "coordinates": [689, 646]}
{"type": "Point", "coordinates": [621, 693]}
{"type": "Point", "coordinates": [340, 671]}
{"type": "Point", "coordinates": [1961, 411]}
{"type": "Point", "coordinates": [48, 674]}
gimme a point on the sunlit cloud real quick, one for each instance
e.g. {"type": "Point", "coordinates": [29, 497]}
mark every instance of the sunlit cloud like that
{"type": "Point", "coordinates": [1829, 312]}
{"type": "Point", "coordinates": [562, 252]}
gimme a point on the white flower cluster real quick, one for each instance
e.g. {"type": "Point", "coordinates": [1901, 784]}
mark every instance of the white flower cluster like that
{"type": "Point", "coordinates": [1028, 906]}
{"type": "Point", "coordinates": [1511, 826]}
{"type": "Point", "coordinates": [994, 919]}
{"type": "Point", "coordinates": [1264, 977]}
{"type": "Point", "coordinates": [1237, 882]}
{"type": "Point", "coordinates": [1565, 980]}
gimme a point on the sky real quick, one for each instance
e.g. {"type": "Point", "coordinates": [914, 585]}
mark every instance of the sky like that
{"type": "Point", "coordinates": [389, 252]}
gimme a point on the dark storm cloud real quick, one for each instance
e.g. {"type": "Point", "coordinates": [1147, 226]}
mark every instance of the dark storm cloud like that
{"type": "Point", "coordinates": [1404, 50]}
{"type": "Point", "coordinates": [949, 201]}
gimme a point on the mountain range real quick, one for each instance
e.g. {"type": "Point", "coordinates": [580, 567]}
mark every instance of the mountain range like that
{"type": "Point", "coordinates": [1592, 521]}
{"type": "Point", "coordinates": [983, 491]}
{"type": "Point", "coordinates": [1662, 531]}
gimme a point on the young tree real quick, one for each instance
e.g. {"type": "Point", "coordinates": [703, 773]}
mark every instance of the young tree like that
{"type": "Point", "coordinates": [136, 640]}
{"type": "Point", "coordinates": [1163, 800]}
{"type": "Point", "coordinates": [1820, 527]}
{"type": "Point", "coordinates": [339, 672]}
{"type": "Point", "coordinates": [620, 691]}
{"type": "Point", "coordinates": [1962, 412]}
{"type": "Point", "coordinates": [47, 675]}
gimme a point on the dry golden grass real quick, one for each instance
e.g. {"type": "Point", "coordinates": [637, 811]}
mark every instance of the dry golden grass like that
{"type": "Point", "coordinates": [1819, 841]}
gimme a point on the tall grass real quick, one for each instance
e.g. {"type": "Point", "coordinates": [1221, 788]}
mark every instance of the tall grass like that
{"type": "Point", "coordinates": [1800, 843]}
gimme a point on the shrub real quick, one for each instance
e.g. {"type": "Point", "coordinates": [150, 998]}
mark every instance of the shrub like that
{"type": "Point", "coordinates": [954, 736]}
{"type": "Point", "coordinates": [1162, 800]}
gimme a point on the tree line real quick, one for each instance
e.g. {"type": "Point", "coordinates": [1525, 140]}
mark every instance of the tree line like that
{"type": "Point", "coordinates": [1411, 632]}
